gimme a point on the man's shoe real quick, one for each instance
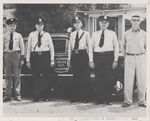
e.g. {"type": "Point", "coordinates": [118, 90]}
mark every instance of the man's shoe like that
{"type": "Point", "coordinates": [18, 99]}
{"type": "Point", "coordinates": [99, 102]}
{"type": "Point", "coordinates": [85, 101]}
{"type": "Point", "coordinates": [126, 105]}
{"type": "Point", "coordinates": [142, 105]}
{"type": "Point", "coordinates": [45, 99]}
{"type": "Point", "coordinates": [35, 99]}
{"type": "Point", "coordinates": [73, 100]}
{"type": "Point", "coordinates": [6, 99]}
{"type": "Point", "coordinates": [109, 103]}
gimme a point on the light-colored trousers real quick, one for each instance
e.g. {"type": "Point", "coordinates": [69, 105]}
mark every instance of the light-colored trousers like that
{"type": "Point", "coordinates": [135, 66]}
{"type": "Point", "coordinates": [12, 66]}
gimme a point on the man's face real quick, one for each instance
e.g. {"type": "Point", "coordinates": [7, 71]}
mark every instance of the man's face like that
{"type": "Point", "coordinates": [135, 22]}
{"type": "Point", "coordinates": [12, 27]}
{"type": "Point", "coordinates": [103, 25]}
{"type": "Point", "coordinates": [39, 27]}
{"type": "Point", "coordinates": [78, 25]}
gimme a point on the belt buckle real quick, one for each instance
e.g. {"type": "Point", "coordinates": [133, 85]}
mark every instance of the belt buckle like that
{"type": "Point", "coordinates": [39, 53]}
{"type": "Point", "coordinates": [76, 51]}
{"type": "Point", "coordinates": [102, 52]}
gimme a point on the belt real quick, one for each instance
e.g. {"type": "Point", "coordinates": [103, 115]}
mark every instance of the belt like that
{"type": "Point", "coordinates": [14, 51]}
{"type": "Point", "coordinates": [79, 51]}
{"type": "Point", "coordinates": [131, 54]}
{"type": "Point", "coordinates": [40, 52]}
{"type": "Point", "coordinates": [104, 52]}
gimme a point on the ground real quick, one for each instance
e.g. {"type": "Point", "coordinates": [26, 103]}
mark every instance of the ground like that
{"type": "Point", "coordinates": [63, 108]}
{"type": "Point", "coordinates": [59, 106]}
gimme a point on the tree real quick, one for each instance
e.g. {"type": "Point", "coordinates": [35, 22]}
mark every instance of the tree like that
{"type": "Point", "coordinates": [58, 17]}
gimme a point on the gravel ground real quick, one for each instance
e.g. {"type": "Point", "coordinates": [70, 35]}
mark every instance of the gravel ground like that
{"type": "Point", "coordinates": [63, 108]}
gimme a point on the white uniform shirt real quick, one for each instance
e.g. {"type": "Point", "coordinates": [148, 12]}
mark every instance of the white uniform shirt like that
{"type": "Point", "coordinates": [110, 42]}
{"type": "Point", "coordinates": [84, 43]}
{"type": "Point", "coordinates": [134, 42]}
{"type": "Point", "coordinates": [18, 43]}
{"type": "Point", "coordinates": [46, 44]}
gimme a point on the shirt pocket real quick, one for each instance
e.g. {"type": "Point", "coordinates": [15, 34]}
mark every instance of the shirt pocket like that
{"type": "Point", "coordinates": [34, 41]}
{"type": "Point", "coordinates": [83, 42]}
{"type": "Point", "coordinates": [108, 36]}
{"type": "Point", "coordinates": [130, 39]}
{"type": "Point", "coordinates": [108, 40]}
{"type": "Point", "coordinates": [142, 38]}
{"type": "Point", "coordinates": [16, 41]}
{"type": "Point", "coordinates": [6, 43]}
{"type": "Point", "coordinates": [44, 41]}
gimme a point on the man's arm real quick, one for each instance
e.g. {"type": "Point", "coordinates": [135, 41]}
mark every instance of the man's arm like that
{"type": "Point", "coordinates": [4, 42]}
{"type": "Point", "coordinates": [90, 50]}
{"type": "Point", "coordinates": [51, 46]}
{"type": "Point", "coordinates": [116, 48]}
{"type": "Point", "coordinates": [22, 46]}
{"type": "Point", "coordinates": [28, 49]}
{"type": "Point", "coordinates": [123, 46]}
{"type": "Point", "coordinates": [92, 41]}
{"type": "Point", "coordinates": [145, 40]}
{"type": "Point", "coordinates": [69, 48]}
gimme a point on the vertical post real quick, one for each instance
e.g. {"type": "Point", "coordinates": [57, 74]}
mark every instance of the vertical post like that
{"type": "Point", "coordinates": [90, 25]}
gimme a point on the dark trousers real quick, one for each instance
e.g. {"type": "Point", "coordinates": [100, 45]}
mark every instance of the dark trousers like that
{"type": "Point", "coordinates": [81, 75]}
{"type": "Point", "coordinates": [40, 65]}
{"type": "Point", "coordinates": [103, 75]}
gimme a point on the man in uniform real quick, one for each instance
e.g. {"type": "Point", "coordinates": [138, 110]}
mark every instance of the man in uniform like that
{"type": "Point", "coordinates": [13, 46]}
{"type": "Point", "coordinates": [80, 54]}
{"type": "Point", "coordinates": [106, 51]}
{"type": "Point", "coordinates": [134, 46]}
{"type": "Point", "coordinates": [40, 57]}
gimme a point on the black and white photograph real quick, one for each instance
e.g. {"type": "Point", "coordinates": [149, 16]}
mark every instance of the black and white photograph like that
{"type": "Point", "coordinates": [74, 60]}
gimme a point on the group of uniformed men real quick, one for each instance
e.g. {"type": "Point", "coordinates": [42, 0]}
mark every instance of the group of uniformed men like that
{"type": "Point", "coordinates": [100, 52]}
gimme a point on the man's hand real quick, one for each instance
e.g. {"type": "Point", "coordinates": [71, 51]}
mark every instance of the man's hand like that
{"type": "Point", "coordinates": [69, 63]}
{"type": "Point", "coordinates": [92, 65]}
{"type": "Point", "coordinates": [124, 55]}
{"type": "Point", "coordinates": [28, 65]}
{"type": "Point", "coordinates": [52, 63]}
{"type": "Point", "coordinates": [22, 62]}
{"type": "Point", "coordinates": [114, 65]}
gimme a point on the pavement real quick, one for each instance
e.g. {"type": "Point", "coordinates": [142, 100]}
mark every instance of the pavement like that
{"type": "Point", "coordinates": [63, 108]}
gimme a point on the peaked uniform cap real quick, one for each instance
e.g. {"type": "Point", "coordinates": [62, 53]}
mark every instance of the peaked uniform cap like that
{"type": "Point", "coordinates": [11, 21]}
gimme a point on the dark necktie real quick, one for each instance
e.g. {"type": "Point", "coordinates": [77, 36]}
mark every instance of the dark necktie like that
{"type": "Point", "coordinates": [11, 41]}
{"type": "Point", "coordinates": [102, 39]}
{"type": "Point", "coordinates": [77, 41]}
{"type": "Point", "coordinates": [136, 30]}
{"type": "Point", "coordinates": [39, 39]}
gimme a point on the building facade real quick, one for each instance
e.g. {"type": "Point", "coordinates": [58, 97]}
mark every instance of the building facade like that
{"type": "Point", "coordinates": [119, 20]}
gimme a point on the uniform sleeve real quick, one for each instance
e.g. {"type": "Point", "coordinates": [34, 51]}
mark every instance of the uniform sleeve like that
{"type": "Point", "coordinates": [116, 47]}
{"type": "Point", "coordinates": [123, 45]}
{"type": "Point", "coordinates": [51, 46]}
{"type": "Point", "coordinates": [92, 41]}
{"type": "Point", "coordinates": [4, 42]}
{"type": "Point", "coordinates": [69, 48]}
{"type": "Point", "coordinates": [90, 50]}
{"type": "Point", "coordinates": [145, 40]}
{"type": "Point", "coordinates": [22, 45]}
{"type": "Point", "coordinates": [28, 49]}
